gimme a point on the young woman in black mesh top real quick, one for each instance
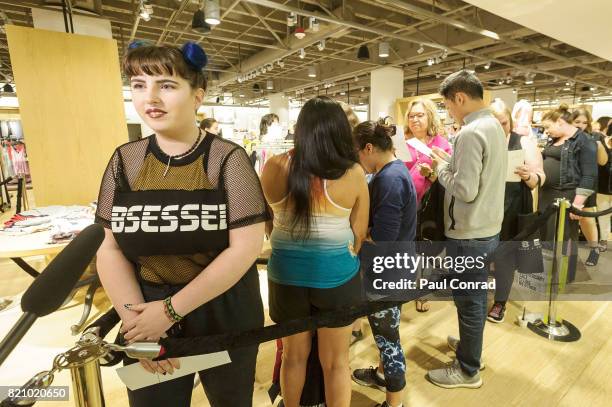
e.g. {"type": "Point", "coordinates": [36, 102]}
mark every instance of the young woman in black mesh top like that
{"type": "Point", "coordinates": [184, 216]}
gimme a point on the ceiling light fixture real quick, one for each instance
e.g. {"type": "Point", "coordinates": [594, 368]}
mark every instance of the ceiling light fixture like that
{"type": "Point", "coordinates": [321, 45]}
{"type": "Point", "coordinates": [7, 88]}
{"type": "Point", "coordinates": [291, 19]}
{"type": "Point", "coordinates": [430, 61]}
{"type": "Point", "coordinates": [363, 53]}
{"type": "Point", "coordinates": [421, 49]}
{"type": "Point", "coordinates": [198, 23]}
{"type": "Point", "coordinates": [312, 72]}
{"type": "Point", "coordinates": [269, 84]}
{"type": "Point", "coordinates": [213, 12]}
{"type": "Point", "coordinates": [299, 33]}
{"type": "Point", "coordinates": [302, 53]}
{"type": "Point", "coordinates": [383, 49]}
{"type": "Point", "coordinates": [314, 24]}
{"type": "Point", "coordinates": [145, 10]}
{"type": "Point", "coordinates": [487, 65]}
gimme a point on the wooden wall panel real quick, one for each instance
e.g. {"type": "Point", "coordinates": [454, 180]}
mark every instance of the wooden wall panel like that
{"type": "Point", "coordinates": [71, 107]}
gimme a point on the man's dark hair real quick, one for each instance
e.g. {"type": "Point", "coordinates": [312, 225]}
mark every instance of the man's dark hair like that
{"type": "Point", "coordinates": [461, 81]}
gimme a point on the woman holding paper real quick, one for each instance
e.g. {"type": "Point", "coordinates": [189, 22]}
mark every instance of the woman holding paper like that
{"type": "Point", "coordinates": [423, 131]}
{"type": "Point", "coordinates": [529, 174]}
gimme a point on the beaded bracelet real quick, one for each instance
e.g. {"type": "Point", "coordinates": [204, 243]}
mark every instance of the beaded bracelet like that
{"type": "Point", "coordinates": [170, 310]}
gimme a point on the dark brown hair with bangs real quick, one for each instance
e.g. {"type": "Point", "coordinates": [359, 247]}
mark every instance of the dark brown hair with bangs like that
{"type": "Point", "coordinates": [162, 60]}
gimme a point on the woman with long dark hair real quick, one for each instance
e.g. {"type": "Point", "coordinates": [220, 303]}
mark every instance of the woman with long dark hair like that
{"type": "Point", "coordinates": [319, 199]}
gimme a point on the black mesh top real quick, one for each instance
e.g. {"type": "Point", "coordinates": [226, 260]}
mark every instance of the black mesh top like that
{"type": "Point", "coordinates": [140, 165]}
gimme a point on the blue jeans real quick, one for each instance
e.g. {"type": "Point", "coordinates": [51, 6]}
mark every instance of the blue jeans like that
{"type": "Point", "coordinates": [471, 303]}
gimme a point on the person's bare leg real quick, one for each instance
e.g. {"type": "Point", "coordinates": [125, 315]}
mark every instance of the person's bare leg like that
{"type": "Point", "coordinates": [589, 228]}
{"type": "Point", "coordinates": [334, 357]}
{"type": "Point", "coordinates": [296, 349]}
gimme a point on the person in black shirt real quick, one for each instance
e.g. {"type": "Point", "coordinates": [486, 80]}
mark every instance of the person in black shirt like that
{"type": "Point", "coordinates": [184, 215]}
{"type": "Point", "coordinates": [581, 118]}
{"type": "Point", "coordinates": [571, 172]}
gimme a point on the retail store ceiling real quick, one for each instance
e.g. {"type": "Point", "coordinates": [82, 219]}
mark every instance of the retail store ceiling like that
{"type": "Point", "coordinates": [254, 34]}
{"type": "Point", "coordinates": [556, 19]}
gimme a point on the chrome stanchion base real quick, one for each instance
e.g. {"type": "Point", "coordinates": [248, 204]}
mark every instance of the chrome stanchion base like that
{"type": "Point", "coordinates": [562, 331]}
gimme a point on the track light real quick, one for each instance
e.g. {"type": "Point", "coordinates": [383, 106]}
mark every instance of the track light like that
{"type": "Point", "coordinates": [302, 53]}
{"type": "Point", "coordinates": [356, 79]}
{"type": "Point", "coordinates": [314, 24]}
{"type": "Point", "coordinates": [363, 53]}
{"type": "Point", "coordinates": [487, 65]}
{"type": "Point", "coordinates": [145, 11]}
{"type": "Point", "coordinates": [528, 81]}
{"type": "Point", "coordinates": [321, 45]}
{"type": "Point", "coordinates": [312, 72]}
{"type": "Point", "coordinates": [444, 54]}
{"type": "Point", "coordinates": [281, 64]}
{"type": "Point", "coordinates": [421, 49]}
{"type": "Point", "coordinates": [291, 19]}
{"type": "Point", "coordinates": [269, 85]}
{"type": "Point", "coordinates": [383, 49]}
{"type": "Point", "coordinates": [430, 61]}
{"type": "Point", "coordinates": [198, 23]}
{"type": "Point", "coordinates": [213, 12]}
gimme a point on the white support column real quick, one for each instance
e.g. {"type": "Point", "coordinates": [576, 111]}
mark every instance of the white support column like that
{"type": "Point", "coordinates": [506, 95]}
{"type": "Point", "coordinates": [386, 86]}
{"type": "Point", "coordinates": [279, 104]}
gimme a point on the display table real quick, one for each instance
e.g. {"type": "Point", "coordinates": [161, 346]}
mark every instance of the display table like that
{"type": "Point", "coordinates": [17, 248]}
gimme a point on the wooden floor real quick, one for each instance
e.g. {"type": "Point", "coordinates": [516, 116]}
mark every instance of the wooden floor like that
{"type": "Point", "coordinates": [522, 369]}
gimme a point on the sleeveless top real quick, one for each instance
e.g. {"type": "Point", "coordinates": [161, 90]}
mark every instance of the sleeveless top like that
{"type": "Point", "coordinates": [326, 258]}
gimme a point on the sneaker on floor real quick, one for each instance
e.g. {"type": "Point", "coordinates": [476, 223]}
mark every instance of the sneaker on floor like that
{"type": "Point", "coordinates": [593, 257]}
{"type": "Point", "coordinates": [497, 313]}
{"type": "Point", "coordinates": [356, 336]}
{"type": "Point", "coordinates": [453, 343]}
{"type": "Point", "coordinates": [369, 377]}
{"type": "Point", "coordinates": [451, 376]}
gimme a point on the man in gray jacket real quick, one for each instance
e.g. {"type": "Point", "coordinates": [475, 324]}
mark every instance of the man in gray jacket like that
{"type": "Point", "coordinates": [474, 178]}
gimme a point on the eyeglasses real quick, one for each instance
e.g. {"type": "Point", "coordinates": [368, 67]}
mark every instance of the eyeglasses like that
{"type": "Point", "coordinates": [413, 116]}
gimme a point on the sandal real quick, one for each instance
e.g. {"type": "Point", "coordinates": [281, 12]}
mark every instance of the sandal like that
{"type": "Point", "coordinates": [603, 246]}
{"type": "Point", "coordinates": [593, 257]}
{"type": "Point", "coordinates": [421, 305]}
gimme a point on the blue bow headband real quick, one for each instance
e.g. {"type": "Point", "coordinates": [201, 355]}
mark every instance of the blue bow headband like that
{"type": "Point", "coordinates": [193, 54]}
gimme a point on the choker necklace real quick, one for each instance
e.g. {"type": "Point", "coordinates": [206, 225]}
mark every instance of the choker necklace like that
{"type": "Point", "coordinates": [183, 155]}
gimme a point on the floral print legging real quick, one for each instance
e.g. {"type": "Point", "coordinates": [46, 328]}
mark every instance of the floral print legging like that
{"type": "Point", "coordinates": [385, 328]}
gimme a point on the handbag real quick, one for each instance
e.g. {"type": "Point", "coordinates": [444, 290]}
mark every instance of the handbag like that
{"type": "Point", "coordinates": [529, 254]}
{"type": "Point", "coordinates": [430, 221]}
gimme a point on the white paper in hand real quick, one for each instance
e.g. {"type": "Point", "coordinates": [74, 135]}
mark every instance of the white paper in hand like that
{"type": "Point", "coordinates": [136, 377]}
{"type": "Point", "coordinates": [401, 149]}
{"type": "Point", "coordinates": [516, 158]}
